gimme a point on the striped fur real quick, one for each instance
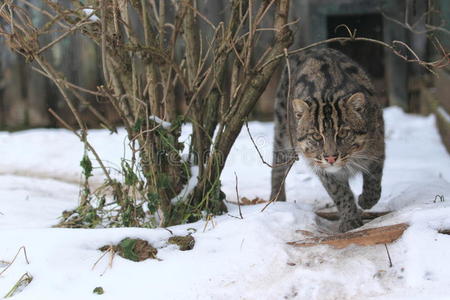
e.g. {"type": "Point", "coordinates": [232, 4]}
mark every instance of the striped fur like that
{"type": "Point", "coordinates": [336, 125]}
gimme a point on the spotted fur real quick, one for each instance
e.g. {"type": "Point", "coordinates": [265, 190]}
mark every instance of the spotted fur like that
{"type": "Point", "coordinates": [335, 124]}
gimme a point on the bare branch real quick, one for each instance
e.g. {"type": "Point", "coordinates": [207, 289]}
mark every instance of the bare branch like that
{"type": "Point", "coordinates": [291, 163]}
{"type": "Point", "coordinates": [83, 138]}
{"type": "Point", "coordinates": [440, 63]}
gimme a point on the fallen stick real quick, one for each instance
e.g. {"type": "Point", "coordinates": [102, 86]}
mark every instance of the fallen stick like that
{"type": "Point", "coordinates": [367, 215]}
{"type": "Point", "coordinates": [366, 237]}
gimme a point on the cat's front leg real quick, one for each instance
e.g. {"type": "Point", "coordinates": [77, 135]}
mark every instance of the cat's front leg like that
{"type": "Point", "coordinates": [371, 186]}
{"type": "Point", "coordinates": [339, 190]}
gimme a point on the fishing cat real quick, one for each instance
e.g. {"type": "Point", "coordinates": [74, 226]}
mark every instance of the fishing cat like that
{"type": "Point", "coordinates": [332, 119]}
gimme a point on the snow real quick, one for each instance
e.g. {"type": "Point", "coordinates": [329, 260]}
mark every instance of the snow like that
{"type": "Point", "coordinates": [188, 188]}
{"type": "Point", "coordinates": [232, 258]}
{"type": "Point", "coordinates": [90, 12]}
{"type": "Point", "coordinates": [163, 123]}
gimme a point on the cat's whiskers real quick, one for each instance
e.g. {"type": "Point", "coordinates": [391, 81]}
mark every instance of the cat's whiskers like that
{"type": "Point", "coordinates": [351, 169]}
{"type": "Point", "coordinates": [360, 167]}
{"type": "Point", "coordinates": [366, 157]}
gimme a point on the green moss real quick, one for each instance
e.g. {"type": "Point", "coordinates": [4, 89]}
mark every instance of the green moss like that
{"type": "Point", "coordinates": [98, 290]}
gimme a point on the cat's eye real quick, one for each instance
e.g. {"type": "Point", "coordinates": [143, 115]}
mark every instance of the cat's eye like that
{"type": "Point", "coordinates": [356, 147]}
{"type": "Point", "coordinates": [298, 115]}
{"type": "Point", "coordinates": [342, 133]}
{"type": "Point", "coordinates": [316, 136]}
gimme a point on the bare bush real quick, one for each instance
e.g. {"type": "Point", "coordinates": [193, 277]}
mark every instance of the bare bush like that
{"type": "Point", "coordinates": [142, 72]}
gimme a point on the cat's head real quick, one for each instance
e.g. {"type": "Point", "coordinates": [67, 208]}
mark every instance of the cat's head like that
{"type": "Point", "coordinates": [331, 134]}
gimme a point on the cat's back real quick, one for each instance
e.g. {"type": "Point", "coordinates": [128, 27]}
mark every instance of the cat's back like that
{"type": "Point", "coordinates": [322, 73]}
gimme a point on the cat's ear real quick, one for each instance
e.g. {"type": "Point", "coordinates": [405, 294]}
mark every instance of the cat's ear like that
{"type": "Point", "coordinates": [356, 101]}
{"type": "Point", "coordinates": [300, 107]}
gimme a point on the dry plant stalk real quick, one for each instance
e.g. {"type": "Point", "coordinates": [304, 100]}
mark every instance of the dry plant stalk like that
{"type": "Point", "coordinates": [14, 259]}
{"type": "Point", "coordinates": [22, 282]}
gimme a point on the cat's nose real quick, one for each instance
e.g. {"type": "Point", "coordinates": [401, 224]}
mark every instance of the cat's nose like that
{"type": "Point", "coordinates": [331, 159]}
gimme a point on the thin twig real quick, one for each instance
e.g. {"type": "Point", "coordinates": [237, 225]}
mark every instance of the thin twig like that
{"type": "Point", "coordinates": [52, 74]}
{"type": "Point", "coordinates": [62, 36]}
{"type": "Point", "coordinates": [411, 27]}
{"type": "Point", "coordinates": [69, 84]}
{"type": "Point", "coordinates": [95, 112]}
{"type": "Point", "coordinates": [101, 256]}
{"type": "Point", "coordinates": [111, 259]}
{"type": "Point", "coordinates": [209, 218]}
{"type": "Point", "coordinates": [202, 16]}
{"type": "Point", "coordinates": [15, 257]}
{"type": "Point", "coordinates": [280, 188]}
{"type": "Point", "coordinates": [445, 57]}
{"type": "Point", "coordinates": [260, 16]}
{"type": "Point", "coordinates": [389, 256]}
{"type": "Point", "coordinates": [26, 278]}
{"type": "Point", "coordinates": [80, 98]}
{"type": "Point", "coordinates": [260, 155]}
{"type": "Point", "coordinates": [237, 195]}
{"type": "Point", "coordinates": [44, 12]}
{"type": "Point", "coordinates": [83, 139]}
{"type": "Point", "coordinates": [234, 217]}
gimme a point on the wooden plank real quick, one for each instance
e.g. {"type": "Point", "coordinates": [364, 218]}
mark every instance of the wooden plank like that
{"type": "Point", "coordinates": [366, 237]}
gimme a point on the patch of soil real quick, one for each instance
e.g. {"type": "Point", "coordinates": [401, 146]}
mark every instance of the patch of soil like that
{"type": "Point", "coordinates": [133, 249]}
{"type": "Point", "coordinates": [184, 242]}
{"type": "Point", "coordinates": [139, 250]}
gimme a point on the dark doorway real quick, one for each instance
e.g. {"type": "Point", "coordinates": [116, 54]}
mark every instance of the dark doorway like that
{"type": "Point", "coordinates": [369, 55]}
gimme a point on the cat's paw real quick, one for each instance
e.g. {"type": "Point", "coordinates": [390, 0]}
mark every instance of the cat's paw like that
{"type": "Point", "coordinates": [349, 224]}
{"type": "Point", "coordinates": [366, 202]}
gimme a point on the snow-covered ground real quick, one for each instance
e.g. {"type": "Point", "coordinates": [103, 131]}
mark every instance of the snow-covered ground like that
{"type": "Point", "coordinates": [234, 259]}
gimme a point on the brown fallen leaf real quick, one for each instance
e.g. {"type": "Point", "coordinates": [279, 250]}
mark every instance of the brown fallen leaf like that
{"type": "Point", "coordinates": [254, 201]}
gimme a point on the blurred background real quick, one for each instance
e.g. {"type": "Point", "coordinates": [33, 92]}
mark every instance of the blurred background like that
{"type": "Point", "coordinates": [26, 96]}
